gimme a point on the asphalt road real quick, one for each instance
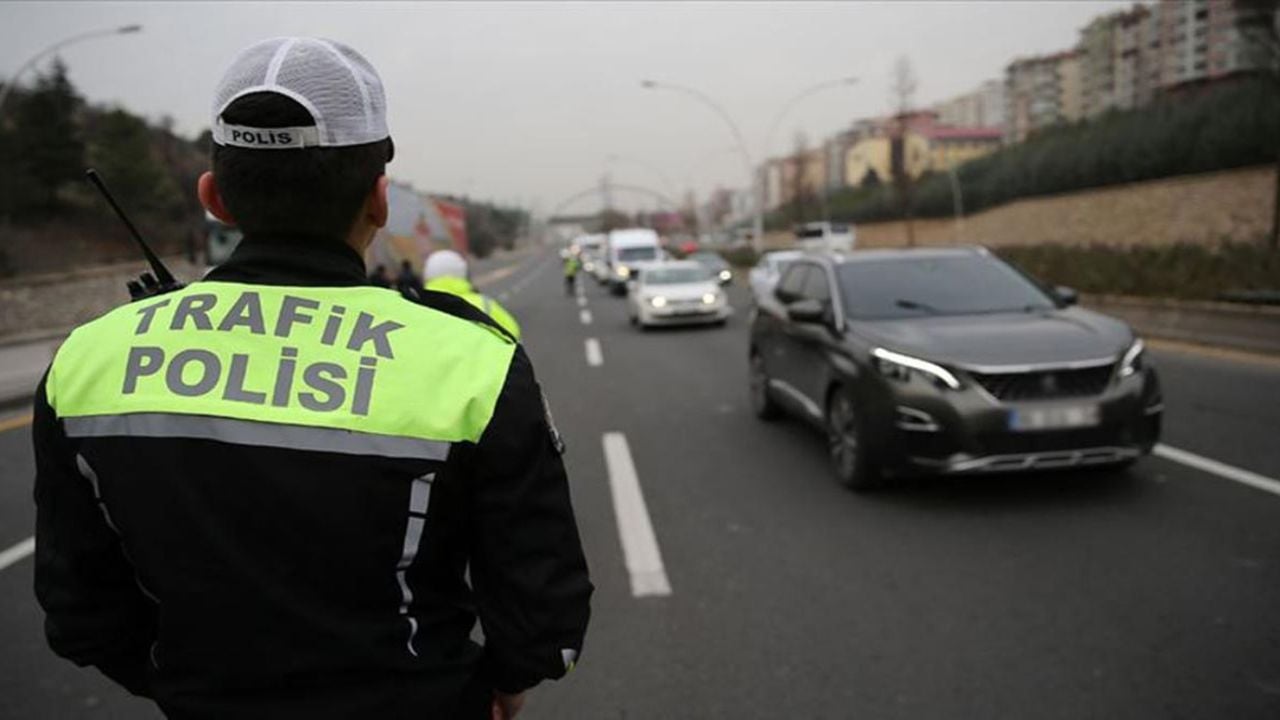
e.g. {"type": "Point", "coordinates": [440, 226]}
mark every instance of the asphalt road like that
{"type": "Point", "coordinates": [1149, 594]}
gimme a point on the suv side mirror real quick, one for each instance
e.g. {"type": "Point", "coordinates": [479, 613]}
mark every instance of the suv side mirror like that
{"type": "Point", "coordinates": [1066, 296]}
{"type": "Point", "coordinates": [807, 311]}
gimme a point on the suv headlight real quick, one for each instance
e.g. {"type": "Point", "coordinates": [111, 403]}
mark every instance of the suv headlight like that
{"type": "Point", "coordinates": [726, 275]}
{"type": "Point", "coordinates": [897, 366]}
{"type": "Point", "coordinates": [1131, 362]}
{"type": "Point", "coordinates": [624, 271]}
{"type": "Point", "coordinates": [710, 298]}
{"type": "Point", "coordinates": [658, 301]}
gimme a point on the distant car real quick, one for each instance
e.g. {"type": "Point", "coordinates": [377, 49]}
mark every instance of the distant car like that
{"type": "Point", "coordinates": [825, 237]}
{"type": "Point", "coordinates": [590, 260]}
{"type": "Point", "coordinates": [764, 276]}
{"type": "Point", "coordinates": [714, 264]}
{"type": "Point", "coordinates": [676, 293]}
{"type": "Point", "coordinates": [628, 251]}
{"type": "Point", "coordinates": [949, 362]}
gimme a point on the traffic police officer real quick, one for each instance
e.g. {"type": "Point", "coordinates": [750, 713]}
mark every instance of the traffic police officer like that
{"type": "Point", "coordinates": [446, 271]}
{"type": "Point", "coordinates": [283, 493]}
{"type": "Point", "coordinates": [571, 266]}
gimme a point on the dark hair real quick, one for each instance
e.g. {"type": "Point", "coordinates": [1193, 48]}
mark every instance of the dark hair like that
{"type": "Point", "coordinates": [312, 191]}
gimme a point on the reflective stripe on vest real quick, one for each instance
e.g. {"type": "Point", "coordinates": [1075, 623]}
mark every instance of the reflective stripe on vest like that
{"type": "Point", "coordinates": [383, 375]}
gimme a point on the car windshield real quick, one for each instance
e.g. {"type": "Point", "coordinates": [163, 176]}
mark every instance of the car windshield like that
{"type": "Point", "coordinates": [707, 259]}
{"type": "Point", "coordinates": [951, 285]}
{"type": "Point", "coordinates": [675, 276]}
{"type": "Point", "coordinates": [637, 253]}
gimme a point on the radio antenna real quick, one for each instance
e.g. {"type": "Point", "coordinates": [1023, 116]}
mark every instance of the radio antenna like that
{"type": "Point", "coordinates": [161, 272]}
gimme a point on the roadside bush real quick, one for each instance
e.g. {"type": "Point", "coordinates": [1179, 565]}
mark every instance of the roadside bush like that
{"type": "Point", "coordinates": [1217, 127]}
{"type": "Point", "coordinates": [1184, 271]}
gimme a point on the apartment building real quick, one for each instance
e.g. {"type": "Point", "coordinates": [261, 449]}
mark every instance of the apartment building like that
{"type": "Point", "coordinates": [1041, 92]}
{"type": "Point", "coordinates": [981, 108]}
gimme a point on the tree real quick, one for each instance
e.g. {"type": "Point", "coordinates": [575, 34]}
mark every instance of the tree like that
{"type": "Point", "coordinates": [799, 190]}
{"type": "Point", "coordinates": [1258, 22]}
{"type": "Point", "coordinates": [122, 149]}
{"type": "Point", "coordinates": [46, 141]}
{"type": "Point", "coordinates": [904, 91]}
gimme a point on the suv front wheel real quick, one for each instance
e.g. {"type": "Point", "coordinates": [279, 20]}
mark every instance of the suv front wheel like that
{"type": "Point", "coordinates": [850, 458]}
{"type": "Point", "coordinates": [762, 402]}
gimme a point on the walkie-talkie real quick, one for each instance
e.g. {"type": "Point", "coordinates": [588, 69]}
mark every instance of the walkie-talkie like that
{"type": "Point", "coordinates": [150, 284]}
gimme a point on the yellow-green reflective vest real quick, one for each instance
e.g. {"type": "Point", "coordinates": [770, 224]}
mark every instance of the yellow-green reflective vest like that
{"type": "Point", "coordinates": [352, 369]}
{"type": "Point", "coordinates": [463, 289]}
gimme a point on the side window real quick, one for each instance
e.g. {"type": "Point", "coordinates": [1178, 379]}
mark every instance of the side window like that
{"type": "Point", "coordinates": [791, 286]}
{"type": "Point", "coordinates": [817, 287]}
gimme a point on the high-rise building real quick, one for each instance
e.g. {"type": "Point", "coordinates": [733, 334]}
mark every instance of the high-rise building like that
{"type": "Point", "coordinates": [1041, 92]}
{"type": "Point", "coordinates": [1115, 55]}
{"type": "Point", "coordinates": [981, 108]}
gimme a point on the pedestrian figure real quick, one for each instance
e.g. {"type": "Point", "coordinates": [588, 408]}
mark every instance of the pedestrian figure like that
{"type": "Point", "coordinates": [407, 281]}
{"type": "Point", "coordinates": [379, 277]}
{"type": "Point", "coordinates": [571, 267]}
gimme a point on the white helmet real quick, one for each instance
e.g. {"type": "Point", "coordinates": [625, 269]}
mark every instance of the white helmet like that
{"type": "Point", "coordinates": [444, 263]}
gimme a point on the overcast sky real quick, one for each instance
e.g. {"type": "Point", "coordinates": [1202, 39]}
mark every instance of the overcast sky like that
{"type": "Point", "coordinates": [527, 102]}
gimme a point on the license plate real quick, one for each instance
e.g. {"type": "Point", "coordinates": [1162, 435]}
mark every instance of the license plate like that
{"type": "Point", "coordinates": [1057, 417]}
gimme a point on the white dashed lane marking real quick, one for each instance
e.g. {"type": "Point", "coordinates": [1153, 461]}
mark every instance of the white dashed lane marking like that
{"type": "Point", "coordinates": [639, 544]}
{"type": "Point", "coordinates": [594, 357]}
{"type": "Point", "coordinates": [585, 316]}
{"type": "Point", "coordinates": [17, 552]}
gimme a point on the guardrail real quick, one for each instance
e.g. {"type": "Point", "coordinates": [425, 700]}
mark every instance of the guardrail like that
{"type": "Point", "coordinates": [1231, 325]}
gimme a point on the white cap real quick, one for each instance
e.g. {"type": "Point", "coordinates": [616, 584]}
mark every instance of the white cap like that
{"type": "Point", "coordinates": [334, 83]}
{"type": "Point", "coordinates": [444, 263]}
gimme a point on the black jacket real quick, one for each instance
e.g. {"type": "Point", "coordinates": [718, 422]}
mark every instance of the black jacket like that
{"type": "Point", "coordinates": [237, 581]}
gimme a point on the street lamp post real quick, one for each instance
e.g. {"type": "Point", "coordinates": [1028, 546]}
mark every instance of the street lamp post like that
{"type": "Point", "coordinates": [748, 165]}
{"type": "Point", "coordinates": [13, 80]}
{"type": "Point", "coordinates": [756, 185]}
{"type": "Point", "coordinates": [666, 181]}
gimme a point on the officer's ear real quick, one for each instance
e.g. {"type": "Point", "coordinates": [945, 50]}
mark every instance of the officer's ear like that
{"type": "Point", "coordinates": [211, 199]}
{"type": "Point", "coordinates": [375, 206]}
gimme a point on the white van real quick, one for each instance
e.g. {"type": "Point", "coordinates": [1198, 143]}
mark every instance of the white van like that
{"type": "Point", "coordinates": [825, 236]}
{"type": "Point", "coordinates": [629, 251]}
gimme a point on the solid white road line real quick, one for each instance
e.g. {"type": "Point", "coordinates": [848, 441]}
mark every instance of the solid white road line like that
{"type": "Point", "coordinates": [1221, 469]}
{"type": "Point", "coordinates": [639, 545]}
{"type": "Point", "coordinates": [585, 316]}
{"type": "Point", "coordinates": [17, 552]}
{"type": "Point", "coordinates": [594, 357]}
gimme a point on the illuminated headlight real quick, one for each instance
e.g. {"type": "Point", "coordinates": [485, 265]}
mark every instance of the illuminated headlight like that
{"type": "Point", "coordinates": [1132, 361]}
{"type": "Point", "coordinates": [897, 366]}
{"type": "Point", "coordinates": [710, 298]}
{"type": "Point", "coordinates": [624, 271]}
{"type": "Point", "coordinates": [725, 275]}
{"type": "Point", "coordinates": [589, 267]}
{"type": "Point", "coordinates": [658, 301]}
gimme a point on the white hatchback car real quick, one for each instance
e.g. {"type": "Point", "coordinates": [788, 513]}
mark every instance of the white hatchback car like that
{"type": "Point", "coordinates": [676, 293]}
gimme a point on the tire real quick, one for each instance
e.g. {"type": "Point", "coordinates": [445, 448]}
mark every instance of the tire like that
{"type": "Point", "coordinates": [849, 458]}
{"type": "Point", "coordinates": [762, 402]}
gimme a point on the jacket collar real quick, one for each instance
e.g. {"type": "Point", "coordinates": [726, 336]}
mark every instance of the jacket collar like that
{"type": "Point", "coordinates": [451, 285]}
{"type": "Point", "coordinates": [281, 259]}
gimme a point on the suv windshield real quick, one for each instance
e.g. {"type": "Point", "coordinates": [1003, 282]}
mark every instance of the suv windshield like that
{"type": "Point", "coordinates": [950, 285]}
{"type": "Point", "coordinates": [637, 253]}
{"type": "Point", "coordinates": [673, 276]}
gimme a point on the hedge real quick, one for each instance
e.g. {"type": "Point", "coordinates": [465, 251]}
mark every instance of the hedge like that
{"type": "Point", "coordinates": [1215, 127]}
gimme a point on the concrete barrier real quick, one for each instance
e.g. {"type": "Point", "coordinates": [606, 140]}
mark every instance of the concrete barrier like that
{"type": "Point", "coordinates": [1240, 327]}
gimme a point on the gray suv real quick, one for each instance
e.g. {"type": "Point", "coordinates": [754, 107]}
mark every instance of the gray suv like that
{"type": "Point", "coordinates": [948, 361]}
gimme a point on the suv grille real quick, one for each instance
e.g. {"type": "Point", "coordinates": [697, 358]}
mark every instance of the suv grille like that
{"type": "Point", "coordinates": [1045, 385]}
